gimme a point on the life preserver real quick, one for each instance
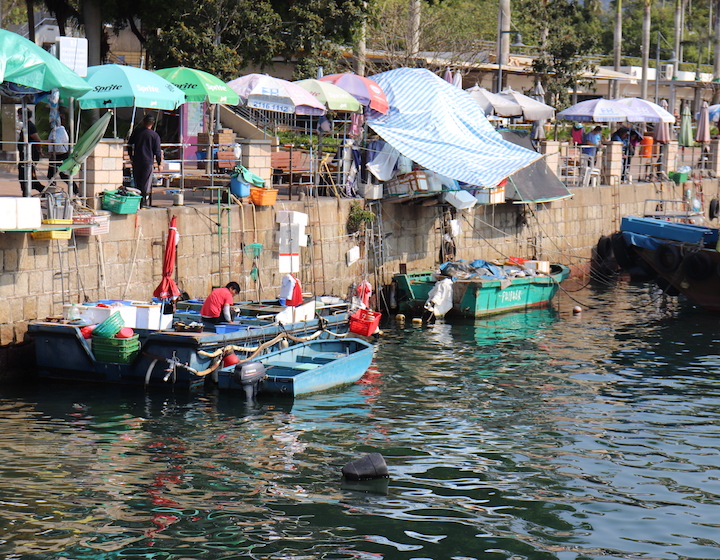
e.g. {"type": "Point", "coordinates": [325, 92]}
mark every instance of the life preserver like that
{"type": "Point", "coordinates": [697, 265]}
{"type": "Point", "coordinates": [667, 257]}
{"type": "Point", "coordinates": [714, 209]}
{"type": "Point", "coordinates": [604, 248]}
{"type": "Point", "coordinates": [625, 255]}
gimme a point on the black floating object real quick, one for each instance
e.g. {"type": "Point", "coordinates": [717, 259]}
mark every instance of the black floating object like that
{"type": "Point", "coordinates": [368, 467]}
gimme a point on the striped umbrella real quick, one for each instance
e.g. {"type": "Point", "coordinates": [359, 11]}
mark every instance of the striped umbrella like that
{"type": "Point", "coordinates": [685, 136]}
{"type": "Point", "coordinates": [702, 135]}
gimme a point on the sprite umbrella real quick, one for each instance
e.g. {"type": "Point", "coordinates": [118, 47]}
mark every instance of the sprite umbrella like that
{"type": "Point", "coordinates": [199, 86]}
{"type": "Point", "coordinates": [333, 97]}
{"type": "Point", "coordinates": [167, 290]}
{"type": "Point", "coordinates": [114, 85]}
{"type": "Point", "coordinates": [23, 62]}
{"type": "Point", "coordinates": [86, 145]}
{"type": "Point", "coordinates": [685, 136]}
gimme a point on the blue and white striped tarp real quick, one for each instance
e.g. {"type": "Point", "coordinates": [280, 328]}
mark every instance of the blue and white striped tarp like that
{"type": "Point", "coordinates": [440, 127]}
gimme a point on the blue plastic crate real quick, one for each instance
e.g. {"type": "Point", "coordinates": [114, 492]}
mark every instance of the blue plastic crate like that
{"type": "Point", "coordinates": [227, 328]}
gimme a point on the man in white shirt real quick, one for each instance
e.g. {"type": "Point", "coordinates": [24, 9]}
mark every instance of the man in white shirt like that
{"type": "Point", "coordinates": [58, 148]}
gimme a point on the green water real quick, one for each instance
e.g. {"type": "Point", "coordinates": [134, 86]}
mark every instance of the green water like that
{"type": "Point", "coordinates": [534, 435]}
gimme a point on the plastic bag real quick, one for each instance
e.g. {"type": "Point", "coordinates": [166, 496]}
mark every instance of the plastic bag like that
{"type": "Point", "coordinates": [248, 176]}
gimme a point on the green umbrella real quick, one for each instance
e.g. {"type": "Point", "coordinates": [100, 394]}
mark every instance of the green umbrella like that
{"type": "Point", "coordinates": [23, 62]}
{"type": "Point", "coordinates": [86, 145]}
{"type": "Point", "coordinates": [199, 86]}
{"type": "Point", "coordinates": [685, 136]}
{"type": "Point", "coordinates": [330, 95]}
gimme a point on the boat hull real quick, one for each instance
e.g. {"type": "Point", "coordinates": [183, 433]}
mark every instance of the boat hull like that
{"type": "Point", "coordinates": [62, 353]}
{"type": "Point", "coordinates": [483, 296]}
{"type": "Point", "coordinates": [307, 368]}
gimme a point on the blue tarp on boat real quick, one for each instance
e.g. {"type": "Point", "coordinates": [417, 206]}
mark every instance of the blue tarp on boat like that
{"type": "Point", "coordinates": [440, 127]}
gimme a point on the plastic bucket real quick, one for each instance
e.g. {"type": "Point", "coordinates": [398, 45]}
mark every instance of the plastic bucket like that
{"type": "Point", "coordinates": [239, 188]}
{"type": "Point", "coordinates": [646, 146]}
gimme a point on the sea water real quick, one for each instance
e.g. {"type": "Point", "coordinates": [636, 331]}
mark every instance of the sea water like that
{"type": "Point", "coordinates": [538, 435]}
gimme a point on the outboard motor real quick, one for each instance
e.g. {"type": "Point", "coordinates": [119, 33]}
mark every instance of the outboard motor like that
{"type": "Point", "coordinates": [249, 375]}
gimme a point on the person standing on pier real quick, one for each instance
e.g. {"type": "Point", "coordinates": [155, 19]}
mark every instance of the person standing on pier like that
{"type": "Point", "coordinates": [144, 151]}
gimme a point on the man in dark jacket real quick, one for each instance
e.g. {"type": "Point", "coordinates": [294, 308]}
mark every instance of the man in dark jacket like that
{"type": "Point", "coordinates": [144, 150]}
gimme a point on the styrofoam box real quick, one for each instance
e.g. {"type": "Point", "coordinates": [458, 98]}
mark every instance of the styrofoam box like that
{"type": "Point", "coordinates": [291, 217]}
{"type": "Point", "coordinates": [29, 214]}
{"type": "Point", "coordinates": [8, 213]}
{"type": "Point", "coordinates": [370, 192]}
{"type": "Point", "coordinates": [539, 266]}
{"type": "Point", "coordinates": [462, 200]}
{"type": "Point", "coordinates": [95, 314]}
{"type": "Point", "coordinates": [149, 316]}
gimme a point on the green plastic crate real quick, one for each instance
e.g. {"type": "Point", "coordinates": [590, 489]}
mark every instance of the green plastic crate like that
{"type": "Point", "coordinates": [109, 327]}
{"type": "Point", "coordinates": [677, 177]}
{"type": "Point", "coordinates": [104, 343]}
{"type": "Point", "coordinates": [115, 356]}
{"type": "Point", "coordinates": [121, 204]}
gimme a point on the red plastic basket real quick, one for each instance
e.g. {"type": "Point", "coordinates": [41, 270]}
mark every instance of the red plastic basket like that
{"type": "Point", "coordinates": [364, 322]}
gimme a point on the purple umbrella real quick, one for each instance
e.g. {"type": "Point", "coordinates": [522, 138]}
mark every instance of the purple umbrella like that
{"type": "Point", "coordinates": [366, 91]}
{"type": "Point", "coordinates": [447, 76]}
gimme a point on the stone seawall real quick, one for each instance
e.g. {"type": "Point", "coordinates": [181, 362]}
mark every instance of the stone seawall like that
{"type": "Point", "coordinates": [38, 277]}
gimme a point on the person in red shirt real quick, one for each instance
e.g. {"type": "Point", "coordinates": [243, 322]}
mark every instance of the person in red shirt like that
{"type": "Point", "coordinates": [216, 307]}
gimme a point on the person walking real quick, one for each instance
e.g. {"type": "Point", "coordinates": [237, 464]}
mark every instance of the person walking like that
{"type": "Point", "coordinates": [58, 148]}
{"type": "Point", "coordinates": [144, 151]}
{"type": "Point", "coordinates": [35, 154]}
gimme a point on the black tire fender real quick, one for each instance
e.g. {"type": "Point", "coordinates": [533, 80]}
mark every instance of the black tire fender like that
{"type": "Point", "coordinates": [697, 265]}
{"type": "Point", "coordinates": [625, 255]}
{"type": "Point", "coordinates": [714, 209]}
{"type": "Point", "coordinates": [604, 248]}
{"type": "Point", "coordinates": [668, 257]}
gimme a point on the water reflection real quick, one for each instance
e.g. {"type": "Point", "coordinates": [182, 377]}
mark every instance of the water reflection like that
{"type": "Point", "coordinates": [536, 435]}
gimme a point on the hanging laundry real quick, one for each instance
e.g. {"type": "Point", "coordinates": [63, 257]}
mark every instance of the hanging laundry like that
{"type": "Point", "coordinates": [290, 291]}
{"type": "Point", "coordinates": [364, 291]}
{"type": "Point", "coordinates": [383, 164]}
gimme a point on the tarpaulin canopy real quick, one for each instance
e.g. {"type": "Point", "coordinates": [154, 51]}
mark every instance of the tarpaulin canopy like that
{"type": "Point", "coordinates": [441, 128]}
{"type": "Point", "coordinates": [536, 182]}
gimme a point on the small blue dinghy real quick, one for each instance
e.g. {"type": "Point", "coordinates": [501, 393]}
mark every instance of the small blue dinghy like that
{"type": "Point", "coordinates": [303, 368]}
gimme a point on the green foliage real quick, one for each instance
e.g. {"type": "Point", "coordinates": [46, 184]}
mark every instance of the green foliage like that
{"type": "Point", "coordinates": [358, 218]}
{"type": "Point", "coordinates": [565, 31]}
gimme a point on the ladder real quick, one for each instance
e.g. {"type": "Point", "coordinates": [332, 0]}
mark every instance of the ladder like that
{"type": "Point", "coordinates": [222, 267]}
{"type": "Point", "coordinates": [61, 258]}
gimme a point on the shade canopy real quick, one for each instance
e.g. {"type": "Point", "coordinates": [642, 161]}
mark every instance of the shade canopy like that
{"type": "Point", "coordinates": [199, 86]}
{"type": "Point", "coordinates": [642, 110]}
{"type": "Point", "coordinates": [366, 91]}
{"type": "Point", "coordinates": [23, 62]}
{"type": "Point", "coordinates": [260, 91]}
{"type": "Point", "coordinates": [85, 146]}
{"type": "Point", "coordinates": [114, 85]}
{"type": "Point", "coordinates": [714, 112]}
{"type": "Point", "coordinates": [494, 104]}
{"type": "Point", "coordinates": [440, 127]}
{"type": "Point", "coordinates": [532, 109]}
{"type": "Point", "coordinates": [333, 97]}
{"type": "Point", "coordinates": [596, 110]}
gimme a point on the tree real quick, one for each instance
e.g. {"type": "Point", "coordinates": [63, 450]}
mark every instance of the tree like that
{"type": "Point", "coordinates": [566, 33]}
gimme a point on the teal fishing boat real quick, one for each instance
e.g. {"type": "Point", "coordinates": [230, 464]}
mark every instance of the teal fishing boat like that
{"type": "Point", "coordinates": [478, 289]}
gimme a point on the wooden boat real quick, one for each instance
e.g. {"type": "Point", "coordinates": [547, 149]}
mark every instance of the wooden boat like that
{"type": "Point", "coordinates": [480, 296]}
{"type": "Point", "coordinates": [683, 257]}
{"type": "Point", "coordinates": [169, 357]}
{"type": "Point", "coordinates": [303, 368]}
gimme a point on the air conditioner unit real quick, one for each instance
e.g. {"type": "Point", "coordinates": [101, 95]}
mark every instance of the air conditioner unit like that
{"type": "Point", "coordinates": [666, 71]}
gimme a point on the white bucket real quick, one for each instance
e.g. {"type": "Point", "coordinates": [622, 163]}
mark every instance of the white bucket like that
{"type": "Point", "coordinates": [178, 198]}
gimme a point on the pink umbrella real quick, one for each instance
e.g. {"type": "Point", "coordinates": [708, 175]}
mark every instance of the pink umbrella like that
{"type": "Point", "coordinates": [702, 135]}
{"type": "Point", "coordinates": [366, 91]}
{"type": "Point", "coordinates": [168, 290]}
{"type": "Point", "coordinates": [261, 91]}
{"type": "Point", "coordinates": [662, 129]}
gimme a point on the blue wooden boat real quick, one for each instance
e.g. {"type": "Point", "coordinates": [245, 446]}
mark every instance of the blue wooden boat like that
{"type": "Point", "coordinates": [479, 296]}
{"type": "Point", "coordinates": [309, 367]}
{"type": "Point", "coordinates": [168, 358]}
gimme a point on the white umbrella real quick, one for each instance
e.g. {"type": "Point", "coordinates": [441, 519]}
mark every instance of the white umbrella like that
{"type": "Point", "coordinates": [492, 103]}
{"type": "Point", "coordinates": [646, 110]}
{"type": "Point", "coordinates": [596, 110]}
{"type": "Point", "coordinates": [532, 110]}
{"type": "Point", "coordinates": [457, 79]}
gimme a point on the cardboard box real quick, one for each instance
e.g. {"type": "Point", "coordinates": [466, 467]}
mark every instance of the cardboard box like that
{"type": "Point", "coordinates": [408, 182]}
{"type": "Point", "coordinates": [224, 138]}
{"type": "Point", "coordinates": [495, 195]}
